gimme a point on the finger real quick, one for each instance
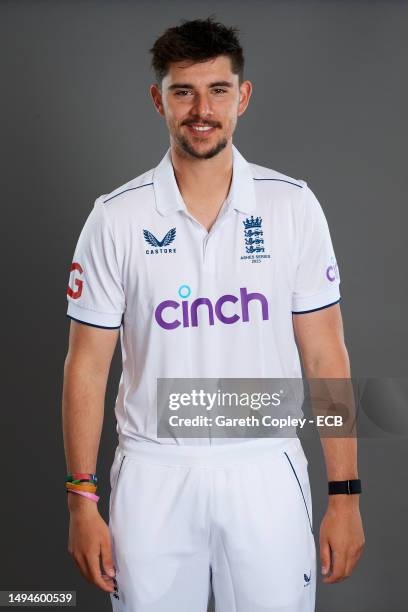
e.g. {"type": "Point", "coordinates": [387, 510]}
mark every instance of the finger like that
{"type": "Point", "coordinates": [325, 556]}
{"type": "Point", "coordinates": [81, 565]}
{"type": "Point", "coordinates": [338, 566]}
{"type": "Point", "coordinates": [106, 559]}
{"type": "Point", "coordinates": [351, 561]}
{"type": "Point", "coordinates": [94, 571]}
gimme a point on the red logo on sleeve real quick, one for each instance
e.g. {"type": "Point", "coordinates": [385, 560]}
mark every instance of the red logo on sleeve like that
{"type": "Point", "coordinates": [78, 282]}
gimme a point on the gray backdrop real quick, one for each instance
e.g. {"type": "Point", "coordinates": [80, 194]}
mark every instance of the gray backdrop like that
{"type": "Point", "coordinates": [329, 105]}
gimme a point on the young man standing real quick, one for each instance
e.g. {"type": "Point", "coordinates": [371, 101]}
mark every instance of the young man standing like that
{"type": "Point", "coordinates": [209, 267]}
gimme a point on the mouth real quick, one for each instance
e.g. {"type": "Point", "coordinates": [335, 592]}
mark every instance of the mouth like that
{"type": "Point", "coordinates": [198, 129]}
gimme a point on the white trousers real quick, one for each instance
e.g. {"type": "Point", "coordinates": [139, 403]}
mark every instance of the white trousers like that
{"type": "Point", "coordinates": [234, 516]}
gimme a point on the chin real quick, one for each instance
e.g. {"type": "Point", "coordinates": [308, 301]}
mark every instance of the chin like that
{"type": "Point", "coordinates": [204, 150]}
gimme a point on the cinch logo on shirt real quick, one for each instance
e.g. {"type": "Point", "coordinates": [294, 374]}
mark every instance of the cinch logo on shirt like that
{"type": "Point", "coordinates": [170, 314]}
{"type": "Point", "coordinates": [332, 271]}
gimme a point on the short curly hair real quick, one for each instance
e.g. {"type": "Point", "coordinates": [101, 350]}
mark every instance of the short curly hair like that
{"type": "Point", "coordinates": [198, 40]}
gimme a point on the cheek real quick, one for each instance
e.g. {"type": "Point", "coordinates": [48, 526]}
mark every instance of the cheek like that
{"type": "Point", "coordinates": [173, 113]}
{"type": "Point", "coordinates": [229, 114]}
{"type": "Point", "coordinates": [173, 121]}
{"type": "Point", "coordinates": [229, 123]}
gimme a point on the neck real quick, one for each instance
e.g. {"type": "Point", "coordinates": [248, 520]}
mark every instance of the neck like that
{"type": "Point", "coordinates": [203, 183]}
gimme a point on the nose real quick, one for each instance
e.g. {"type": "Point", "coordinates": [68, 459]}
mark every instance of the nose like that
{"type": "Point", "coordinates": [202, 106]}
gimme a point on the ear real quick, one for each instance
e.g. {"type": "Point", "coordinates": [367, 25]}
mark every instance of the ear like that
{"type": "Point", "coordinates": [245, 91]}
{"type": "Point", "coordinates": [157, 98]}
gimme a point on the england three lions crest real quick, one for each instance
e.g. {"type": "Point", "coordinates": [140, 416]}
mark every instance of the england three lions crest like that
{"type": "Point", "coordinates": [254, 240]}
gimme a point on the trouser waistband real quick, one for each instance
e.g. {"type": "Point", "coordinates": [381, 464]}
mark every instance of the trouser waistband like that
{"type": "Point", "coordinates": [184, 454]}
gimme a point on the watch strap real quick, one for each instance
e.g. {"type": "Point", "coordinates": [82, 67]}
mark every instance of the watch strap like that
{"type": "Point", "coordinates": [348, 487]}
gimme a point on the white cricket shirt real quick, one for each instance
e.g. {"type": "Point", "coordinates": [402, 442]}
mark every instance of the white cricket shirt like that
{"type": "Point", "coordinates": [196, 304]}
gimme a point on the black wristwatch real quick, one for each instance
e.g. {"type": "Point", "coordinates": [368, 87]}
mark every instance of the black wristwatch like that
{"type": "Point", "coordinates": [349, 487]}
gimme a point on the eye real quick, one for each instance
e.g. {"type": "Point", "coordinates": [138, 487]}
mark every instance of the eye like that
{"type": "Point", "coordinates": [218, 89]}
{"type": "Point", "coordinates": [181, 92]}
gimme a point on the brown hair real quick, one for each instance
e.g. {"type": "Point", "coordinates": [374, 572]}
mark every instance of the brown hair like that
{"type": "Point", "coordinates": [198, 40]}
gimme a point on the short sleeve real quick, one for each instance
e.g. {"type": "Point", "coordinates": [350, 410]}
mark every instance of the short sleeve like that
{"type": "Point", "coordinates": [317, 277]}
{"type": "Point", "coordinates": [95, 293]}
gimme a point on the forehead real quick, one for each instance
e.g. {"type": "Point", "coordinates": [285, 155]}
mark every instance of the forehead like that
{"type": "Point", "coordinates": [200, 72]}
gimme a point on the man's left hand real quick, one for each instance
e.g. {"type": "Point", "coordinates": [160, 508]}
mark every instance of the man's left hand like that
{"type": "Point", "coordinates": [341, 537]}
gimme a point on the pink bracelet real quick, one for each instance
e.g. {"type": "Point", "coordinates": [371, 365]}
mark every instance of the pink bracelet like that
{"type": "Point", "coordinates": [85, 494]}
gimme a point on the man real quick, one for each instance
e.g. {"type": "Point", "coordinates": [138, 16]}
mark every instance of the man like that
{"type": "Point", "coordinates": [209, 267]}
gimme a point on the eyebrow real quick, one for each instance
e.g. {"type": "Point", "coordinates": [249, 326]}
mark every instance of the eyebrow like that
{"type": "Point", "coordinates": [190, 86]}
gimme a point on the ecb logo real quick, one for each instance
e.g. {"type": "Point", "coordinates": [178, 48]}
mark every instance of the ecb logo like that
{"type": "Point", "coordinates": [253, 235]}
{"type": "Point", "coordinates": [254, 241]}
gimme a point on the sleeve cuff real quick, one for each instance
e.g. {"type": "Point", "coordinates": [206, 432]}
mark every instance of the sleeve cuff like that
{"type": "Point", "coordinates": [317, 301]}
{"type": "Point", "coordinates": [91, 317]}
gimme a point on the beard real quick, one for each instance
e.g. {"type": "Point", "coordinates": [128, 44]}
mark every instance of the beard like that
{"type": "Point", "coordinates": [185, 145]}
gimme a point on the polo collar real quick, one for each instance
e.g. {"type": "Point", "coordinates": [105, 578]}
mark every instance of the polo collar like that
{"type": "Point", "coordinates": [168, 198]}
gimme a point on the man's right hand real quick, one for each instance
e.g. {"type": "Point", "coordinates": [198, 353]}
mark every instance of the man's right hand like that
{"type": "Point", "coordinates": [89, 542]}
